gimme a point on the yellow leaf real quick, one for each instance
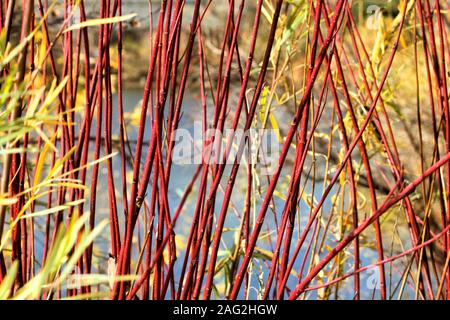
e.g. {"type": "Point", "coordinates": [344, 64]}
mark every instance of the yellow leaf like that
{"type": "Point", "coordinates": [274, 123]}
{"type": "Point", "coordinates": [97, 22]}
{"type": "Point", "coordinates": [7, 201]}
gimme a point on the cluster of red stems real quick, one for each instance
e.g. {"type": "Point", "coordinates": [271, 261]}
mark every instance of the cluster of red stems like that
{"type": "Point", "coordinates": [169, 68]}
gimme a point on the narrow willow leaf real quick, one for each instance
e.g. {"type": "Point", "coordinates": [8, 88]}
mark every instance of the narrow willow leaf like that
{"type": "Point", "coordinates": [7, 202]}
{"type": "Point", "coordinates": [97, 22]}
{"type": "Point", "coordinates": [54, 209]}
{"type": "Point", "coordinates": [8, 281]}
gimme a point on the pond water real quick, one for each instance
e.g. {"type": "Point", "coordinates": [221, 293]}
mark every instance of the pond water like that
{"type": "Point", "coordinates": [180, 177]}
